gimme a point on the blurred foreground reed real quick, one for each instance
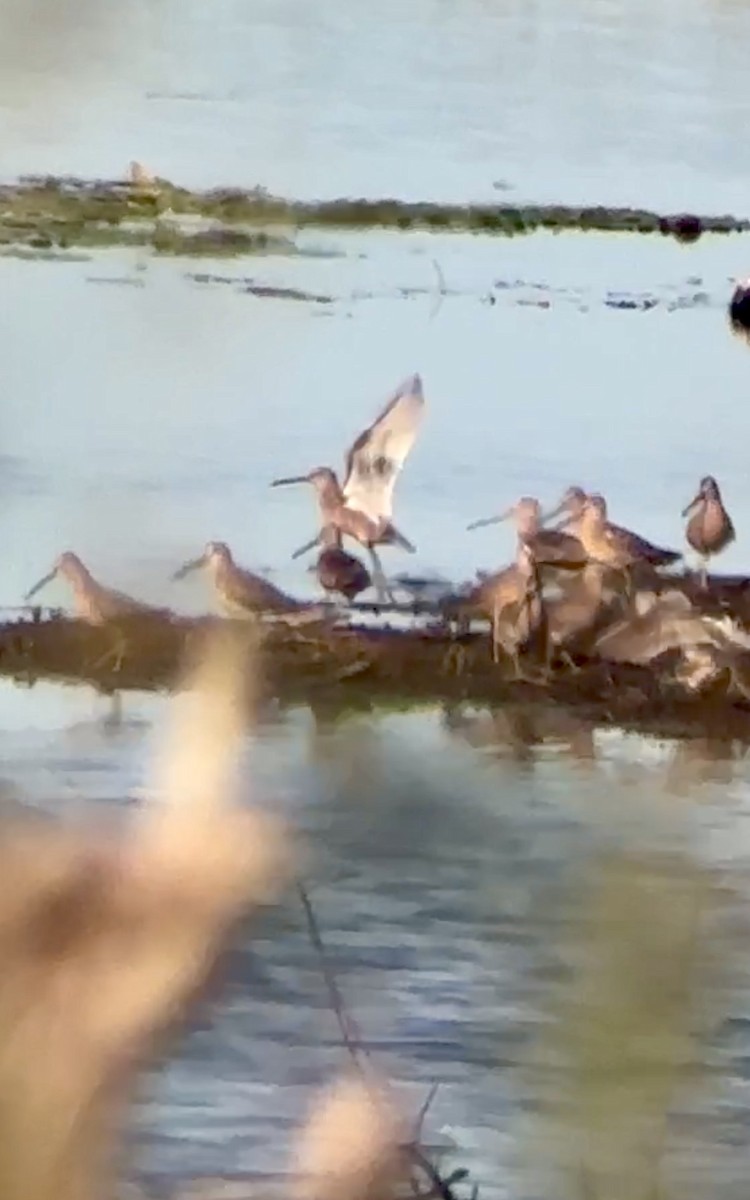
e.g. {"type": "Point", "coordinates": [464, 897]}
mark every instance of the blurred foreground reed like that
{"type": "Point", "coordinates": [107, 935]}
{"type": "Point", "coordinates": [110, 931]}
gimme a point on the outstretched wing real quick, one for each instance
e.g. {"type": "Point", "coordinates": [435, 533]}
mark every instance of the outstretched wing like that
{"type": "Point", "coordinates": [379, 453]}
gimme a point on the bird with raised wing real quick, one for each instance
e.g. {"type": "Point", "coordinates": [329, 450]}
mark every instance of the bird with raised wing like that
{"type": "Point", "coordinates": [362, 507]}
{"type": "Point", "coordinates": [241, 593]}
{"type": "Point", "coordinates": [549, 546]}
{"type": "Point", "coordinates": [709, 528]}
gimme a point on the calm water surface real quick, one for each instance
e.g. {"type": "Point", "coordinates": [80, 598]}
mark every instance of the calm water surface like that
{"type": "Point", "coordinates": [146, 405]}
{"type": "Point", "coordinates": [609, 100]}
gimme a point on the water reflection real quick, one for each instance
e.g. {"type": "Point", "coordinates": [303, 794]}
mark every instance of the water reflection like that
{"type": "Point", "coordinates": [515, 732]}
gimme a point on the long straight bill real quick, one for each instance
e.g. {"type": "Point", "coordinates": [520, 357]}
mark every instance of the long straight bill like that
{"type": "Point", "coordinates": [42, 583]}
{"type": "Point", "coordinates": [490, 520]}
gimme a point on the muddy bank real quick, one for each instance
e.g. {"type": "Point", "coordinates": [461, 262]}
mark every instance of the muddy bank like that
{"type": "Point", "coordinates": [48, 213]}
{"type": "Point", "coordinates": [356, 667]}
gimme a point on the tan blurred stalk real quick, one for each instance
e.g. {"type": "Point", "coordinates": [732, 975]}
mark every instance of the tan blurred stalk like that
{"type": "Point", "coordinates": [350, 1147]}
{"type": "Point", "coordinates": [622, 1047]}
{"type": "Point", "coordinates": [106, 936]}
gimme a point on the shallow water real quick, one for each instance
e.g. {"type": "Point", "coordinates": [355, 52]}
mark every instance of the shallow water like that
{"type": "Point", "coordinates": [447, 849]}
{"type": "Point", "coordinates": [147, 404]}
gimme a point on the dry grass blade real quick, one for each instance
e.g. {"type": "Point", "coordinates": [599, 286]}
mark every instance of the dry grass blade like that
{"type": "Point", "coordinates": [349, 1032]}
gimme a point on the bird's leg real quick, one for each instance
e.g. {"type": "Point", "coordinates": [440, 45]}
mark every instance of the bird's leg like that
{"type": "Point", "coordinates": [307, 546]}
{"type": "Point", "coordinates": [703, 572]}
{"type": "Point", "coordinates": [628, 582]}
{"type": "Point", "coordinates": [116, 652]}
{"type": "Point", "coordinates": [378, 577]}
{"type": "Point", "coordinates": [495, 631]}
{"type": "Point", "coordinates": [565, 657]}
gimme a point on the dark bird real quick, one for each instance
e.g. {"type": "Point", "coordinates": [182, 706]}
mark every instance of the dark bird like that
{"type": "Point", "coordinates": [338, 572]}
{"type": "Point", "coordinates": [362, 507]}
{"type": "Point", "coordinates": [709, 528]}
{"type": "Point", "coordinates": [739, 307]}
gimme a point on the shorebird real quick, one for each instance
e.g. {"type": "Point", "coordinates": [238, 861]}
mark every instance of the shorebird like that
{"type": "Point", "coordinates": [338, 572]}
{"type": "Point", "coordinates": [708, 646]}
{"type": "Point", "coordinates": [94, 603]}
{"type": "Point", "coordinates": [575, 618]}
{"type": "Point", "coordinates": [656, 623]}
{"type": "Point", "coordinates": [512, 599]}
{"type": "Point", "coordinates": [571, 507]}
{"type": "Point", "coordinates": [577, 504]}
{"type": "Point", "coordinates": [709, 529]}
{"type": "Point", "coordinates": [242, 593]}
{"type": "Point", "coordinates": [549, 546]}
{"type": "Point", "coordinates": [617, 547]}
{"type": "Point", "coordinates": [362, 507]}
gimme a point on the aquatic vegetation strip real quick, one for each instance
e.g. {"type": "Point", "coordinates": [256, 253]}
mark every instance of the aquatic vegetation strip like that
{"type": "Point", "coordinates": [357, 667]}
{"type": "Point", "coordinates": [48, 213]}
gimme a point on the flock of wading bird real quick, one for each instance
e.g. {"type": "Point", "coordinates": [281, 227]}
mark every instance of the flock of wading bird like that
{"type": "Point", "coordinates": [583, 586]}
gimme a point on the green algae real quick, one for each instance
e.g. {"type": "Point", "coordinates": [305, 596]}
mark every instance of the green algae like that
{"type": "Point", "coordinates": [57, 213]}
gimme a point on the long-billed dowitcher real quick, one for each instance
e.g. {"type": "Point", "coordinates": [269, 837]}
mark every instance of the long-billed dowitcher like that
{"type": "Point", "coordinates": [242, 593]}
{"type": "Point", "coordinates": [654, 624]}
{"type": "Point", "coordinates": [338, 572]}
{"type": "Point", "coordinates": [570, 509]}
{"type": "Point", "coordinates": [709, 528]}
{"type": "Point", "coordinates": [548, 546]}
{"type": "Point", "coordinates": [576, 616]}
{"type": "Point", "coordinates": [512, 600]}
{"type": "Point", "coordinates": [658, 623]}
{"type": "Point", "coordinates": [575, 505]}
{"type": "Point", "coordinates": [98, 605]}
{"type": "Point", "coordinates": [362, 507]}
{"type": "Point", "coordinates": [614, 546]}
{"type": "Point", "coordinates": [94, 603]}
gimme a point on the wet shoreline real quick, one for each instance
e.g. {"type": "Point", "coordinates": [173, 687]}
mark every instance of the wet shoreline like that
{"type": "Point", "coordinates": [355, 667]}
{"type": "Point", "coordinates": [53, 213]}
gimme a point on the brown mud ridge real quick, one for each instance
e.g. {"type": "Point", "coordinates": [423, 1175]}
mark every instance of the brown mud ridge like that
{"type": "Point", "coordinates": [357, 666]}
{"type": "Point", "coordinates": [47, 213]}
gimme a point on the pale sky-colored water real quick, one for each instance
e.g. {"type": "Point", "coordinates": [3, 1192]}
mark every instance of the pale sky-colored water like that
{"type": "Point", "coordinates": [618, 101]}
{"type": "Point", "coordinates": [137, 421]}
